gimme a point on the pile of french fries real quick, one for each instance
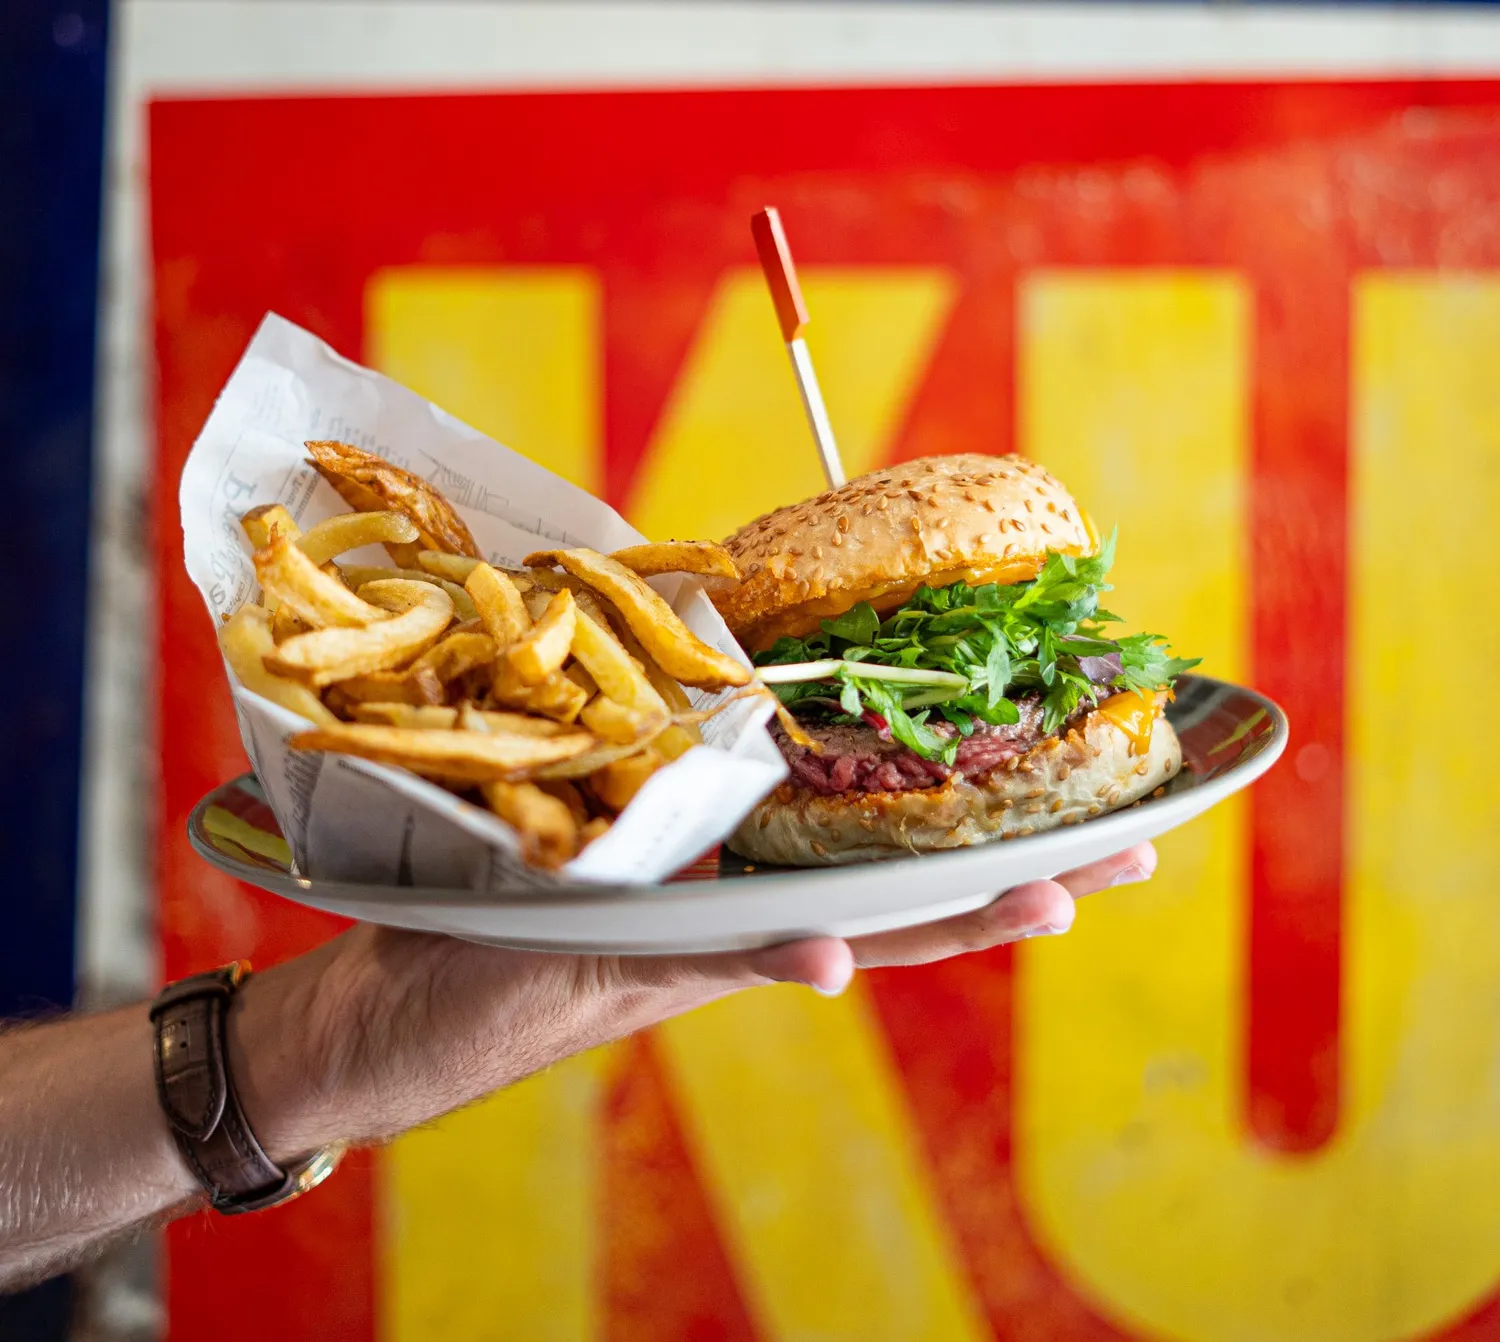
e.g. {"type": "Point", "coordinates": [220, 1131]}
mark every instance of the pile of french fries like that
{"type": "Point", "coordinates": [549, 694]}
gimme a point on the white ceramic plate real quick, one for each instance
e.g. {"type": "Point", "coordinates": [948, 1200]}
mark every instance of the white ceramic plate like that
{"type": "Point", "coordinates": [1230, 737]}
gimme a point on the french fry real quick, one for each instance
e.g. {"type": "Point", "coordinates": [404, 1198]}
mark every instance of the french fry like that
{"type": "Point", "coordinates": [674, 741]}
{"type": "Point", "coordinates": [366, 500]}
{"type": "Point", "coordinates": [570, 796]}
{"type": "Point", "coordinates": [616, 784]}
{"type": "Point", "coordinates": [588, 600]}
{"type": "Point", "coordinates": [616, 674]}
{"type": "Point", "coordinates": [329, 655]}
{"type": "Point", "coordinates": [519, 724]}
{"type": "Point", "coordinates": [310, 594]}
{"type": "Point", "coordinates": [455, 568]}
{"type": "Point", "coordinates": [543, 649]}
{"type": "Point", "coordinates": [376, 687]}
{"type": "Point", "coordinates": [704, 558]}
{"type": "Point", "coordinates": [245, 639]}
{"type": "Point", "coordinates": [679, 651]}
{"type": "Point", "coordinates": [432, 717]}
{"type": "Point", "coordinates": [499, 604]}
{"type": "Point", "coordinates": [338, 535]}
{"type": "Point", "coordinates": [611, 720]}
{"type": "Point", "coordinates": [261, 524]}
{"type": "Point", "coordinates": [538, 599]}
{"type": "Point", "coordinates": [285, 625]}
{"type": "Point", "coordinates": [579, 675]}
{"type": "Point", "coordinates": [357, 575]}
{"type": "Point", "coordinates": [556, 697]}
{"type": "Point", "coordinates": [455, 654]}
{"type": "Point", "coordinates": [674, 695]}
{"type": "Point", "coordinates": [547, 828]}
{"type": "Point", "coordinates": [581, 766]}
{"type": "Point", "coordinates": [452, 756]}
{"type": "Point", "coordinates": [442, 529]}
{"type": "Point", "coordinates": [596, 828]}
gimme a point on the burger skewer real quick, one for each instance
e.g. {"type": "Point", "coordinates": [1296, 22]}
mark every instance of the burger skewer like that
{"type": "Point", "coordinates": [791, 315]}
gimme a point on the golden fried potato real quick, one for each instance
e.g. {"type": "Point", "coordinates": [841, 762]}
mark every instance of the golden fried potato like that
{"type": "Point", "coordinates": [325, 656]}
{"type": "Point", "coordinates": [679, 651]}
{"type": "Point", "coordinates": [542, 650]}
{"type": "Point", "coordinates": [451, 755]}
{"type": "Point", "coordinates": [702, 558]}
{"type": "Point", "coordinates": [245, 639]}
{"type": "Point", "coordinates": [314, 597]}
{"type": "Point", "coordinates": [441, 528]}
{"type": "Point", "coordinates": [546, 827]}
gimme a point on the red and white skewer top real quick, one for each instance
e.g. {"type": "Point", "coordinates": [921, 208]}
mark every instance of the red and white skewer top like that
{"type": "Point", "coordinates": [791, 315]}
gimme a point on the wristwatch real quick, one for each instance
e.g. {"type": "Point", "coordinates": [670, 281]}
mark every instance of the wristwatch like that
{"type": "Point", "coordinates": [198, 1097]}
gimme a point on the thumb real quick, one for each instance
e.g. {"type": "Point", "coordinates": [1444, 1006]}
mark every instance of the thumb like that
{"type": "Point", "coordinates": [824, 964]}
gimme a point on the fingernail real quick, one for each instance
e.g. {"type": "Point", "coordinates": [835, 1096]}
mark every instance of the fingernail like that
{"type": "Point", "coordinates": [1048, 931]}
{"type": "Point", "coordinates": [832, 989]}
{"type": "Point", "coordinates": [1131, 875]}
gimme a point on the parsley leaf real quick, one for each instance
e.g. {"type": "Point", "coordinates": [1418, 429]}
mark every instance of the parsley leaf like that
{"type": "Point", "coordinates": [1005, 640]}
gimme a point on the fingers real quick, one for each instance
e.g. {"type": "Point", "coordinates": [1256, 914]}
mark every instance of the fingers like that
{"type": "Point", "coordinates": [1036, 908]}
{"type": "Point", "coordinates": [823, 963]}
{"type": "Point", "coordinates": [1040, 908]}
{"type": "Point", "coordinates": [1134, 864]}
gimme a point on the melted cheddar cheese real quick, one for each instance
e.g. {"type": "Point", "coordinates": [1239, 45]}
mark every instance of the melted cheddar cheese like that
{"type": "Point", "coordinates": [1135, 714]}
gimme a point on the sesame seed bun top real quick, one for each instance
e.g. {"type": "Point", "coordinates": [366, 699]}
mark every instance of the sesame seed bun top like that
{"type": "Point", "coordinates": [934, 521]}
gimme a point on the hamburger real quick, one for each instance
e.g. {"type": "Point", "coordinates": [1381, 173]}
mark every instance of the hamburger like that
{"type": "Point", "coordinates": [934, 634]}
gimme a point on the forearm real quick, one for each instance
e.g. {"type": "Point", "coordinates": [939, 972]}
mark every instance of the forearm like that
{"type": "Point", "coordinates": [84, 1150]}
{"type": "Point", "coordinates": [366, 1036]}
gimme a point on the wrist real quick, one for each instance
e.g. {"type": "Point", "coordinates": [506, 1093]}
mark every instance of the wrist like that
{"type": "Point", "coordinates": [272, 1067]}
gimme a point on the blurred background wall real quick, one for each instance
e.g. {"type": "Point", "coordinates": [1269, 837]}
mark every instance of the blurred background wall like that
{"type": "Point", "coordinates": [1234, 272]}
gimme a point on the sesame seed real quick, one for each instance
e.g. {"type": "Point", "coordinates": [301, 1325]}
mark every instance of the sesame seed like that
{"type": "Point", "coordinates": [1056, 806]}
{"type": "Point", "coordinates": [1036, 792]}
{"type": "Point", "coordinates": [819, 849]}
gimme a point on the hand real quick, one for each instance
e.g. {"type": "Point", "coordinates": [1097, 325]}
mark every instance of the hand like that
{"type": "Point", "coordinates": [381, 1030]}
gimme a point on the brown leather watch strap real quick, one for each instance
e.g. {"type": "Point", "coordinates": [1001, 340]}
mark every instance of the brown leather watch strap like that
{"type": "Point", "coordinates": [198, 1097]}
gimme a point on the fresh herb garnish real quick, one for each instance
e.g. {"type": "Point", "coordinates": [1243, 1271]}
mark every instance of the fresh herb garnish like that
{"type": "Point", "coordinates": [1004, 640]}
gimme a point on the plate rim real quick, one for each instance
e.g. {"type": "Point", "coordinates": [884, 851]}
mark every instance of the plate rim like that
{"type": "Point", "coordinates": [771, 885]}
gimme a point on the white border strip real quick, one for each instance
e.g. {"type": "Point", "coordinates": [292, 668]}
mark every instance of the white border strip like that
{"type": "Point", "coordinates": [228, 45]}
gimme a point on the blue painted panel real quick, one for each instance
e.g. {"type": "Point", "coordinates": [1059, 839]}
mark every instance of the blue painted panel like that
{"type": "Point", "coordinates": [52, 72]}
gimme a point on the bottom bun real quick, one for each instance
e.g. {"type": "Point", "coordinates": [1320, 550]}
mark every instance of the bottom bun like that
{"type": "Point", "coordinates": [1059, 781]}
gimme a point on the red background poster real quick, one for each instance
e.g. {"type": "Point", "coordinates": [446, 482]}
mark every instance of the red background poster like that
{"type": "Point", "coordinates": [1253, 323]}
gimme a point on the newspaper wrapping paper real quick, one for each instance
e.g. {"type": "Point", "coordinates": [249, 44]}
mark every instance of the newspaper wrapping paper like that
{"type": "Point", "coordinates": [350, 820]}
